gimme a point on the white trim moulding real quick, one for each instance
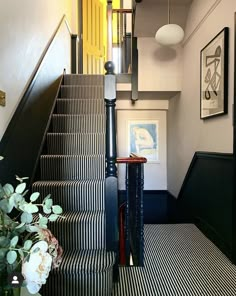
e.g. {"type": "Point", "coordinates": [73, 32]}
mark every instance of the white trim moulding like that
{"type": "Point", "coordinates": [197, 27]}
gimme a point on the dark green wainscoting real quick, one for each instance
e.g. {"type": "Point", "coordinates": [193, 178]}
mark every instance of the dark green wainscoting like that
{"type": "Point", "coordinates": [207, 198]}
{"type": "Point", "coordinates": [159, 206]}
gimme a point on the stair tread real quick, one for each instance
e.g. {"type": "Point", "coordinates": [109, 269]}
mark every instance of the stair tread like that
{"type": "Point", "coordinates": [80, 230]}
{"type": "Point", "coordinates": [80, 100]}
{"type": "Point", "coordinates": [79, 215]}
{"type": "Point", "coordinates": [82, 91]}
{"type": "Point", "coordinates": [67, 182]}
{"type": "Point", "coordinates": [81, 86]}
{"type": "Point", "coordinates": [71, 156]}
{"type": "Point", "coordinates": [83, 75]}
{"type": "Point", "coordinates": [78, 195]}
{"type": "Point", "coordinates": [79, 134]}
{"type": "Point", "coordinates": [74, 261]}
{"type": "Point", "coordinates": [76, 115]}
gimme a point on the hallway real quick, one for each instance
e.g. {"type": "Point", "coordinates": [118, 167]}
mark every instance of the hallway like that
{"type": "Point", "coordinates": [179, 261]}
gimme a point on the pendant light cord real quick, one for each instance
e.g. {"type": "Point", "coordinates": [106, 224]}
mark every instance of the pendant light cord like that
{"type": "Point", "coordinates": [168, 11]}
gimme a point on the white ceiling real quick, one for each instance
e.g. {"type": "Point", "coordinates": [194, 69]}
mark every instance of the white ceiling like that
{"type": "Point", "coordinates": [152, 14]}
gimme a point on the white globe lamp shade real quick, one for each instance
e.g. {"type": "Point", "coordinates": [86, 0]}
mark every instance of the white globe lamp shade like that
{"type": "Point", "coordinates": [170, 34]}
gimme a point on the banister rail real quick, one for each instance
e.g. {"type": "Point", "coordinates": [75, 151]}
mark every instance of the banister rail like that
{"type": "Point", "coordinates": [122, 10]}
{"type": "Point", "coordinates": [132, 159]}
{"type": "Point", "coordinates": [131, 215]}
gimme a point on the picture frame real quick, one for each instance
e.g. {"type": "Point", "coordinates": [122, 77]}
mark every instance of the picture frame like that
{"type": "Point", "coordinates": [214, 76]}
{"type": "Point", "coordinates": [143, 139]}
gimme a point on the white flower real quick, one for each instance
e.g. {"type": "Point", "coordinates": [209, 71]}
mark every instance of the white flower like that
{"type": "Point", "coordinates": [37, 269]}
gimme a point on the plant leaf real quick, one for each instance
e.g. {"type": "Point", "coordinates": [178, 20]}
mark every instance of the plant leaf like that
{"type": "Point", "coordinates": [43, 222]}
{"type": "Point", "coordinates": [46, 210]}
{"type": "Point", "coordinates": [57, 210]}
{"type": "Point", "coordinates": [20, 188]}
{"type": "Point", "coordinates": [2, 253]}
{"type": "Point", "coordinates": [53, 217]}
{"type": "Point", "coordinates": [28, 244]}
{"type": "Point", "coordinates": [30, 208]}
{"type": "Point", "coordinates": [17, 198]}
{"type": "Point", "coordinates": [30, 228]}
{"type": "Point", "coordinates": [7, 220]}
{"type": "Point", "coordinates": [34, 196]}
{"type": "Point", "coordinates": [26, 191]}
{"type": "Point", "coordinates": [21, 179]}
{"type": "Point", "coordinates": [48, 203]}
{"type": "Point", "coordinates": [47, 197]}
{"type": "Point", "coordinates": [20, 225]}
{"type": "Point", "coordinates": [14, 199]}
{"type": "Point", "coordinates": [2, 193]}
{"type": "Point", "coordinates": [9, 189]}
{"type": "Point", "coordinates": [4, 241]}
{"type": "Point", "coordinates": [5, 206]}
{"type": "Point", "coordinates": [26, 218]}
{"type": "Point", "coordinates": [2, 266]}
{"type": "Point", "coordinates": [11, 257]}
{"type": "Point", "coordinates": [14, 241]}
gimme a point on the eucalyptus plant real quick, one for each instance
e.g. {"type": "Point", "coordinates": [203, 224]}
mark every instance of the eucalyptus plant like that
{"type": "Point", "coordinates": [22, 221]}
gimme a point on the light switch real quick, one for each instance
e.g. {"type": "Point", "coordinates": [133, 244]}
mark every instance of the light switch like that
{"type": "Point", "coordinates": [2, 98]}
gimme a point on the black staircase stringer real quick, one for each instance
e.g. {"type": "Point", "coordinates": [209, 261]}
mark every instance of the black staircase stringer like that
{"type": "Point", "coordinates": [22, 141]}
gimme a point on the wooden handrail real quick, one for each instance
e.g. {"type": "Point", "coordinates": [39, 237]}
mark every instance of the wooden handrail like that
{"type": "Point", "coordinates": [132, 159]}
{"type": "Point", "coordinates": [122, 10]}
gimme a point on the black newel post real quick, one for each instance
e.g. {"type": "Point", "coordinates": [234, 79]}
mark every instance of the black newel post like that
{"type": "Point", "coordinates": [111, 183]}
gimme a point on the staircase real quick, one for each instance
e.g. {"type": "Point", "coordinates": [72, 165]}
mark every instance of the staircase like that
{"type": "Point", "coordinates": [73, 171]}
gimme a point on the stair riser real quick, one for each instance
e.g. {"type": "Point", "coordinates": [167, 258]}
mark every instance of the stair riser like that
{"type": "Point", "coordinates": [78, 124]}
{"type": "Point", "coordinates": [74, 196]}
{"type": "Point", "coordinates": [68, 144]}
{"type": "Point", "coordinates": [82, 92]}
{"type": "Point", "coordinates": [83, 80]}
{"type": "Point", "coordinates": [82, 284]}
{"type": "Point", "coordinates": [68, 106]}
{"type": "Point", "coordinates": [83, 232]}
{"type": "Point", "coordinates": [72, 168]}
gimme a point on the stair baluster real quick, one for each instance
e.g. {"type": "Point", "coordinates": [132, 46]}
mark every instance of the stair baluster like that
{"type": "Point", "coordinates": [111, 183]}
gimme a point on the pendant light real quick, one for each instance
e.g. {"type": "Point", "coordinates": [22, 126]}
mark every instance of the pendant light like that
{"type": "Point", "coordinates": [170, 34]}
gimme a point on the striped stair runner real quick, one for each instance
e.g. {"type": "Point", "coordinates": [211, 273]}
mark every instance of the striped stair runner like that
{"type": "Point", "coordinates": [73, 171]}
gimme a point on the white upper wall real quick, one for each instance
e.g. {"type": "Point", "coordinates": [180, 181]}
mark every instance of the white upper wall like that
{"type": "Point", "coordinates": [159, 67]}
{"type": "Point", "coordinates": [26, 26]}
{"type": "Point", "coordinates": [187, 133]}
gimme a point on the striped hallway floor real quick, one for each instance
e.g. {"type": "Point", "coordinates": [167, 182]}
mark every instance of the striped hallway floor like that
{"type": "Point", "coordinates": [179, 261]}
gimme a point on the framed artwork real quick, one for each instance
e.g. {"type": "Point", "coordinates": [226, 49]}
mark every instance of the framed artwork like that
{"type": "Point", "coordinates": [143, 139]}
{"type": "Point", "coordinates": [214, 76]}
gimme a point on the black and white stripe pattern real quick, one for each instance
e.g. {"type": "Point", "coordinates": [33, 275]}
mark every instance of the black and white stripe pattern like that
{"type": "Point", "coordinates": [72, 167]}
{"type": "Point", "coordinates": [77, 144]}
{"type": "Point", "coordinates": [73, 172]}
{"type": "Point", "coordinates": [81, 230]}
{"type": "Point", "coordinates": [71, 194]}
{"type": "Point", "coordinates": [82, 92]}
{"type": "Point", "coordinates": [65, 106]}
{"type": "Point", "coordinates": [62, 123]}
{"type": "Point", "coordinates": [82, 273]}
{"type": "Point", "coordinates": [178, 261]}
{"type": "Point", "coordinates": [82, 79]}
